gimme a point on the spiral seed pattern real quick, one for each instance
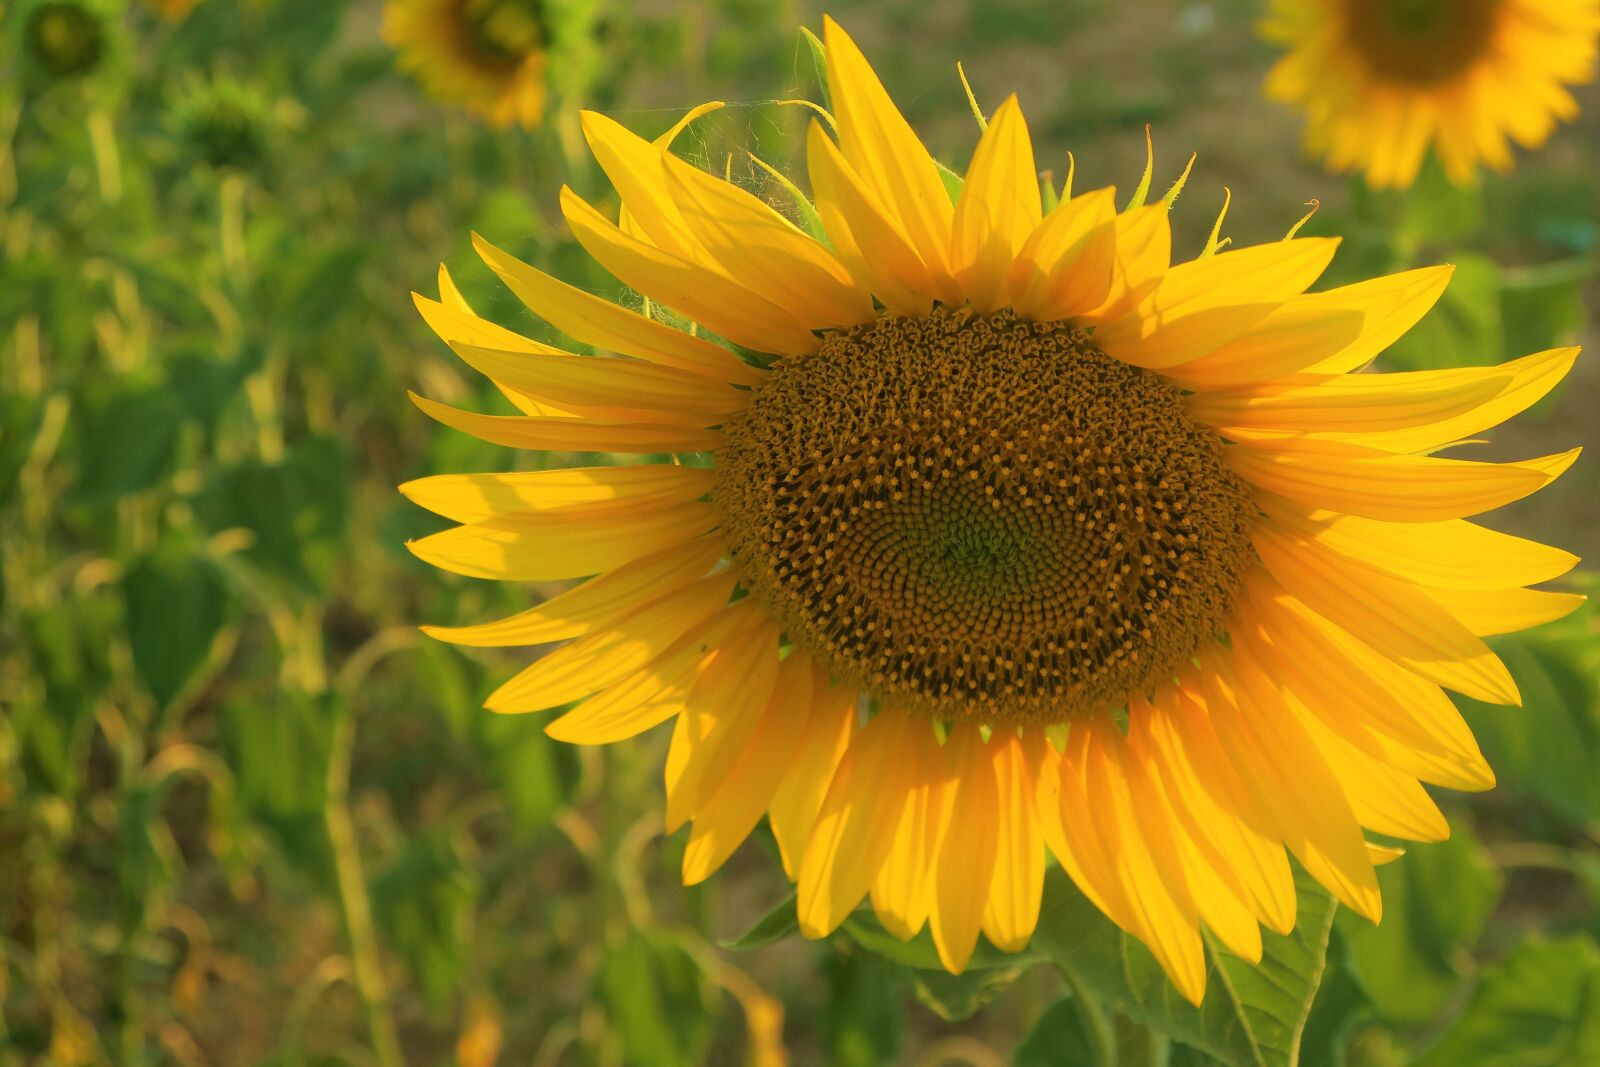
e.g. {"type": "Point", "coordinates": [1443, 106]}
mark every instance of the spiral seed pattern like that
{"type": "Point", "coordinates": [979, 517]}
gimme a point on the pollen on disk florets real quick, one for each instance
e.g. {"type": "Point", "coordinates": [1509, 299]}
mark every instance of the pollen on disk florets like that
{"type": "Point", "coordinates": [980, 517]}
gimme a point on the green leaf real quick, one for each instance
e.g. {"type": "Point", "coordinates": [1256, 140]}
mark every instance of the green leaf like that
{"type": "Point", "coordinates": [1547, 749]}
{"type": "Point", "coordinates": [1464, 327]}
{"type": "Point", "coordinates": [656, 1001]}
{"type": "Point", "coordinates": [176, 603]}
{"type": "Point", "coordinates": [1436, 210]}
{"type": "Point", "coordinates": [779, 924]}
{"type": "Point", "coordinates": [535, 774]}
{"type": "Point", "coordinates": [1543, 307]}
{"type": "Point", "coordinates": [861, 1020]}
{"type": "Point", "coordinates": [279, 749]}
{"type": "Point", "coordinates": [424, 905]}
{"type": "Point", "coordinates": [954, 997]}
{"type": "Point", "coordinates": [819, 65]}
{"type": "Point", "coordinates": [315, 286]}
{"type": "Point", "coordinates": [295, 509]}
{"type": "Point", "coordinates": [952, 181]}
{"type": "Point", "coordinates": [1435, 904]}
{"type": "Point", "coordinates": [1059, 1036]}
{"type": "Point", "coordinates": [864, 929]}
{"type": "Point", "coordinates": [127, 445]}
{"type": "Point", "coordinates": [1253, 1015]}
{"type": "Point", "coordinates": [1340, 1006]}
{"type": "Point", "coordinates": [1538, 1008]}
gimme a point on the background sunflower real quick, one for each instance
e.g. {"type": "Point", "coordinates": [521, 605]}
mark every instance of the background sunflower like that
{"type": "Point", "coordinates": [1382, 81]}
{"type": "Point", "coordinates": [250, 815]}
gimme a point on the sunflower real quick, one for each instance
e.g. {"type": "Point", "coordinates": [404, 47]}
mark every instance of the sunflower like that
{"type": "Point", "coordinates": [989, 531]}
{"type": "Point", "coordinates": [1381, 80]}
{"type": "Point", "coordinates": [487, 55]}
{"type": "Point", "coordinates": [66, 38]}
{"type": "Point", "coordinates": [173, 10]}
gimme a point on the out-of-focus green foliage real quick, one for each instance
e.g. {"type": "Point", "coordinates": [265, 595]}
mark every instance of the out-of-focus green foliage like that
{"type": "Point", "coordinates": [247, 816]}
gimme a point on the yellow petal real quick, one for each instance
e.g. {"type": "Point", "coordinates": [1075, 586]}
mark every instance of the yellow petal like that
{"type": "Point", "coordinates": [1379, 485]}
{"type": "Point", "coordinates": [1330, 332]}
{"type": "Point", "coordinates": [856, 823]}
{"type": "Point", "coordinates": [597, 603]}
{"type": "Point", "coordinates": [637, 170]}
{"type": "Point", "coordinates": [622, 386]}
{"type": "Point", "coordinates": [1358, 404]}
{"type": "Point", "coordinates": [707, 296]}
{"type": "Point", "coordinates": [793, 810]}
{"type": "Point", "coordinates": [750, 240]}
{"type": "Point", "coordinates": [470, 497]}
{"type": "Point", "coordinates": [727, 817]}
{"type": "Point", "coordinates": [965, 864]}
{"type": "Point", "coordinates": [573, 543]}
{"type": "Point", "coordinates": [1164, 916]}
{"type": "Point", "coordinates": [1012, 910]}
{"type": "Point", "coordinates": [453, 323]}
{"type": "Point", "coordinates": [1294, 787]}
{"type": "Point", "coordinates": [1453, 554]}
{"type": "Point", "coordinates": [902, 893]}
{"type": "Point", "coordinates": [892, 162]}
{"type": "Point", "coordinates": [1202, 305]}
{"type": "Point", "coordinates": [654, 693]}
{"type": "Point", "coordinates": [1183, 858]}
{"type": "Point", "coordinates": [890, 268]}
{"type": "Point", "coordinates": [720, 713]}
{"type": "Point", "coordinates": [1425, 410]}
{"type": "Point", "coordinates": [1384, 799]}
{"type": "Point", "coordinates": [1143, 256]}
{"type": "Point", "coordinates": [1065, 266]}
{"type": "Point", "coordinates": [998, 210]}
{"type": "Point", "coordinates": [541, 433]}
{"type": "Point", "coordinates": [596, 660]}
{"type": "Point", "coordinates": [1396, 617]}
{"type": "Point", "coordinates": [1216, 806]}
{"type": "Point", "coordinates": [1532, 377]}
{"type": "Point", "coordinates": [1080, 848]}
{"type": "Point", "coordinates": [1404, 716]}
{"type": "Point", "coordinates": [595, 321]}
{"type": "Point", "coordinates": [1487, 612]}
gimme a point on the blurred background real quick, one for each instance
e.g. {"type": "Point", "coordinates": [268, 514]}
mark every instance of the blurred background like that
{"type": "Point", "coordinates": [249, 816]}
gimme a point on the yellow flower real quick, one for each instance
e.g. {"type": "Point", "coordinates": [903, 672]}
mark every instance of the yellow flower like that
{"type": "Point", "coordinates": [173, 10]}
{"type": "Point", "coordinates": [1381, 80]}
{"type": "Point", "coordinates": [487, 55]}
{"type": "Point", "coordinates": [995, 531]}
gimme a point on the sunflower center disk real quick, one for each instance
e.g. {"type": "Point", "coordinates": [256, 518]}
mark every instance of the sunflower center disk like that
{"type": "Point", "coordinates": [501, 33]}
{"type": "Point", "coordinates": [1422, 41]}
{"type": "Point", "coordinates": [977, 517]}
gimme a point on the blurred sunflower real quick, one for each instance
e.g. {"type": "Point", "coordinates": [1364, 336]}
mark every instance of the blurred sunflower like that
{"type": "Point", "coordinates": [66, 38]}
{"type": "Point", "coordinates": [173, 10]}
{"type": "Point", "coordinates": [487, 55]}
{"type": "Point", "coordinates": [993, 530]}
{"type": "Point", "coordinates": [1381, 80]}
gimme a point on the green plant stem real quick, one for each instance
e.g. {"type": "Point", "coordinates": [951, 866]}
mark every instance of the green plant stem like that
{"type": "Point", "coordinates": [1095, 1021]}
{"type": "Point", "coordinates": [353, 900]}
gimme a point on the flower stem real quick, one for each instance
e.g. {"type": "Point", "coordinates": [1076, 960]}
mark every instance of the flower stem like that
{"type": "Point", "coordinates": [353, 900]}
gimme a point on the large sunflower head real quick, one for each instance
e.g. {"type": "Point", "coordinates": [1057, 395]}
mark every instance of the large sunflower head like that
{"type": "Point", "coordinates": [965, 527]}
{"type": "Point", "coordinates": [487, 55]}
{"type": "Point", "coordinates": [1381, 80]}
